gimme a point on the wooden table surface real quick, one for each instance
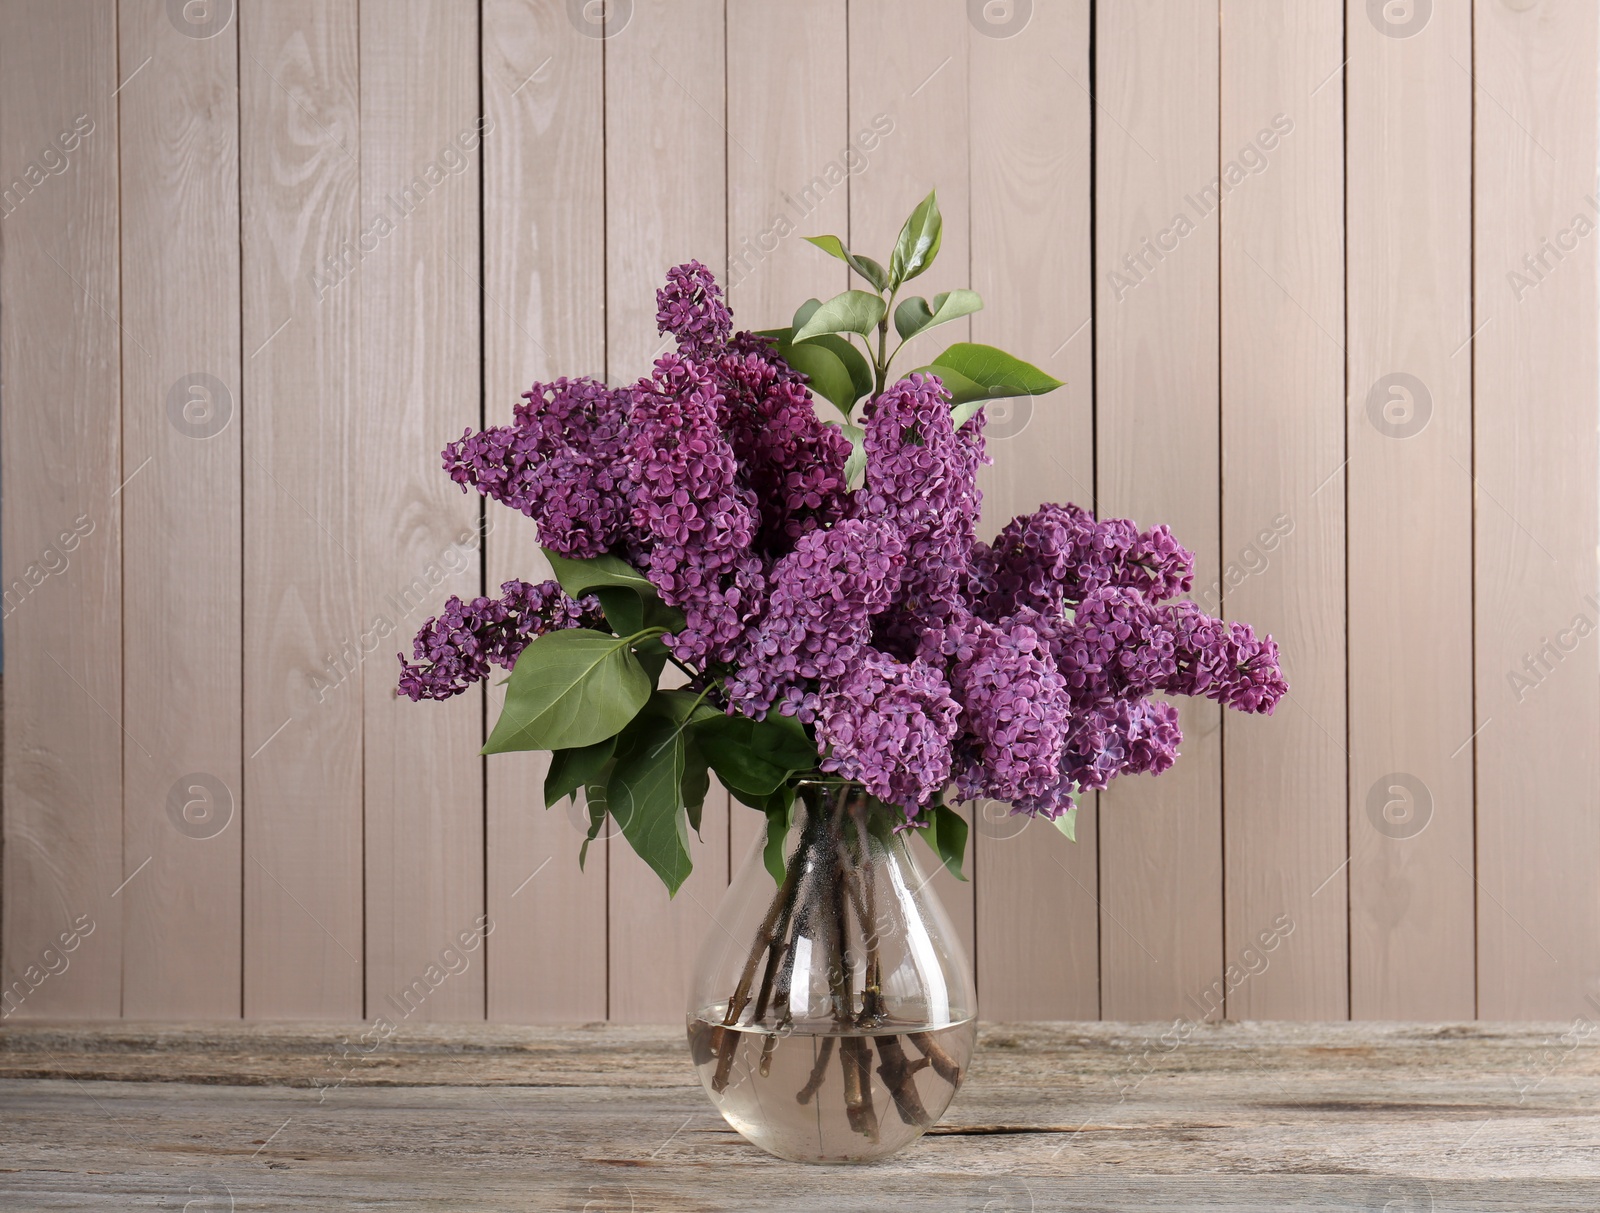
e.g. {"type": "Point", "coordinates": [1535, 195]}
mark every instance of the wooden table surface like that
{"type": "Point", "coordinates": [1055, 1116]}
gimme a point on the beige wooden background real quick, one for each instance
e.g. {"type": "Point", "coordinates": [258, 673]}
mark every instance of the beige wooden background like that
{"type": "Point", "coordinates": [1320, 279]}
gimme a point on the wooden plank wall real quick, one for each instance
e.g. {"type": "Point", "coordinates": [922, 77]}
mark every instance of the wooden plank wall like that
{"type": "Point", "coordinates": [1320, 280]}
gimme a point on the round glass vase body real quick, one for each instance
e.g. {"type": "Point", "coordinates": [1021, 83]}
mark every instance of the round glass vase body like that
{"type": "Point", "coordinates": [832, 1012]}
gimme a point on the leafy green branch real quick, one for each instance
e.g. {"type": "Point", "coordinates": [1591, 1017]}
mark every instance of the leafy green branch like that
{"type": "Point", "coordinates": [821, 342]}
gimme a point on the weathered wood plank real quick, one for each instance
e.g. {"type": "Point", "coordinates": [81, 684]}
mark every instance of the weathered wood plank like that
{"type": "Point", "coordinates": [543, 316]}
{"type": "Point", "coordinates": [60, 371]}
{"type": "Point", "coordinates": [178, 132]}
{"type": "Point", "coordinates": [1157, 423]}
{"type": "Point", "coordinates": [420, 387]}
{"type": "Point", "coordinates": [307, 644]}
{"type": "Point", "coordinates": [1409, 108]}
{"type": "Point", "coordinates": [1534, 480]}
{"type": "Point", "coordinates": [1283, 373]}
{"type": "Point", "coordinates": [1113, 1117]}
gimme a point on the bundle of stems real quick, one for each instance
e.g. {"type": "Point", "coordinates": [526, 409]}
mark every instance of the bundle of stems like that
{"type": "Point", "coordinates": [829, 882]}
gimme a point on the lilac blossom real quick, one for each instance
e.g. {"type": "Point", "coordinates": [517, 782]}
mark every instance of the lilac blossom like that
{"type": "Point", "coordinates": [455, 649]}
{"type": "Point", "coordinates": [1126, 737]}
{"type": "Point", "coordinates": [792, 462]}
{"type": "Point", "coordinates": [922, 479]}
{"type": "Point", "coordinates": [690, 307]}
{"type": "Point", "coordinates": [1014, 703]}
{"type": "Point", "coordinates": [1026, 671]}
{"type": "Point", "coordinates": [818, 616]}
{"type": "Point", "coordinates": [1225, 661]}
{"type": "Point", "coordinates": [889, 725]}
{"type": "Point", "coordinates": [561, 463]}
{"type": "Point", "coordinates": [698, 521]}
{"type": "Point", "coordinates": [1061, 553]}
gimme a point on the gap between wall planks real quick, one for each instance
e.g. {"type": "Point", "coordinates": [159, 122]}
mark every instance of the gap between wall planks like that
{"type": "Point", "coordinates": [366, 835]}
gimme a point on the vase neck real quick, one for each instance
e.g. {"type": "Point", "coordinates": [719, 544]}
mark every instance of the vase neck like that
{"type": "Point", "coordinates": [844, 819]}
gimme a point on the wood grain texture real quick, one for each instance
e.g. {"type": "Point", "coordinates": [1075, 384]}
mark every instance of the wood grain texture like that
{"type": "Point", "coordinates": [1409, 277]}
{"type": "Point", "coordinates": [60, 371]}
{"type": "Point", "coordinates": [1535, 368]}
{"type": "Point", "coordinates": [791, 116]}
{"type": "Point", "coordinates": [666, 135]}
{"type": "Point", "coordinates": [1283, 374]}
{"type": "Point", "coordinates": [920, 85]}
{"type": "Point", "coordinates": [1157, 430]}
{"type": "Point", "coordinates": [543, 316]}
{"type": "Point", "coordinates": [1117, 1117]}
{"type": "Point", "coordinates": [307, 643]}
{"type": "Point", "coordinates": [182, 593]}
{"type": "Point", "coordinates": [420, 385]}
{"type": "Point", "coordinates": [1029, 123]}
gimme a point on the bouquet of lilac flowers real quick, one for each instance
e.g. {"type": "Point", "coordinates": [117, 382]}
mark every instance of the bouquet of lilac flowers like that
{"type": "Point", "coordinates": [817, 586]}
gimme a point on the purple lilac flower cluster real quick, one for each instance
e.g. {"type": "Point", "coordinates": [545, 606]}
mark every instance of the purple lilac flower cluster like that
{"type": "Point", "coordinates": [919, 656]}
{"type": "Point", "coordinates": [456, 648]}
{"type": "Point", "coordinates": [560, 464]}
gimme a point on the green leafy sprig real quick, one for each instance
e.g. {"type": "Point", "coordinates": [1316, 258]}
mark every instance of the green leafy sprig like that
{"type": "Point", "coordinates": [821, 341]}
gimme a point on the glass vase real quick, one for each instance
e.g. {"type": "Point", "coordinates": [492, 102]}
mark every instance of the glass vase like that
{"type": "Point", "coordinates": [832, 1012]}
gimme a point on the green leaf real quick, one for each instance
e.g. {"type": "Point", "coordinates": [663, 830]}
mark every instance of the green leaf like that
{"type": "Point", "coordinates": [681, 706]}
{"type": "Point", "coordinates": [780, 818]}
{"type": "Point", "coordinates": [829, 377]}
{"type": "Point", "coordinates": [865, 266]}
{"type": "Point", "coordinates": [623, 607]}
{"type": "Point", "coordinates": [960, 389]}
{"type": "Point", "coordinates": [572, 769]}
{"type": "Point", "coordinates": [993, 372]}
{"type": "Point", "coordinates": [854, 360]}
{"type": "Point", "coordinates": [696, 781]}
{"type": "Point", "coordinates": [658, 614]}
{"type": "Point", "coordinates": [644, 796]}
{"type": "Point", "coordinates": [855, 467]}
{"type": "Point", "coordinates": [1067, 823]}
{"type": "Point", "coordinates": [841, 379]}
{"type": "Point", "coordinates": [569, 688]}
{"type": "Point", "coordinates": [755, 756]}
{"type": "Point", "coordinates": [913, 316]}
{"type": "Point", "coordinates": [963, 413]}
{"type": "Point", "coordinates": [652, 655]}
{"type": "Point", "coordinates": [782, 740]}
{"type": "Point", "coordinates": [946, 833]}
{"type": "Point", "coordinates": [848, 312]}
{"type": "Point", "coordinates": [919, 241]}
{"type": "Point", "coordinates": [802, 313]}
{"type": "Point", "coordinates": [594, 799]}
{"type": "Point", "coordinates": [576, 575]}
{"type": "Point", "coordinates": [872, 271]}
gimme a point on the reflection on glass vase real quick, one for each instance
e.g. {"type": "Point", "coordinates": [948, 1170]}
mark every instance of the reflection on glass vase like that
{"type": "Point", "coordinates": [832, 1012]}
